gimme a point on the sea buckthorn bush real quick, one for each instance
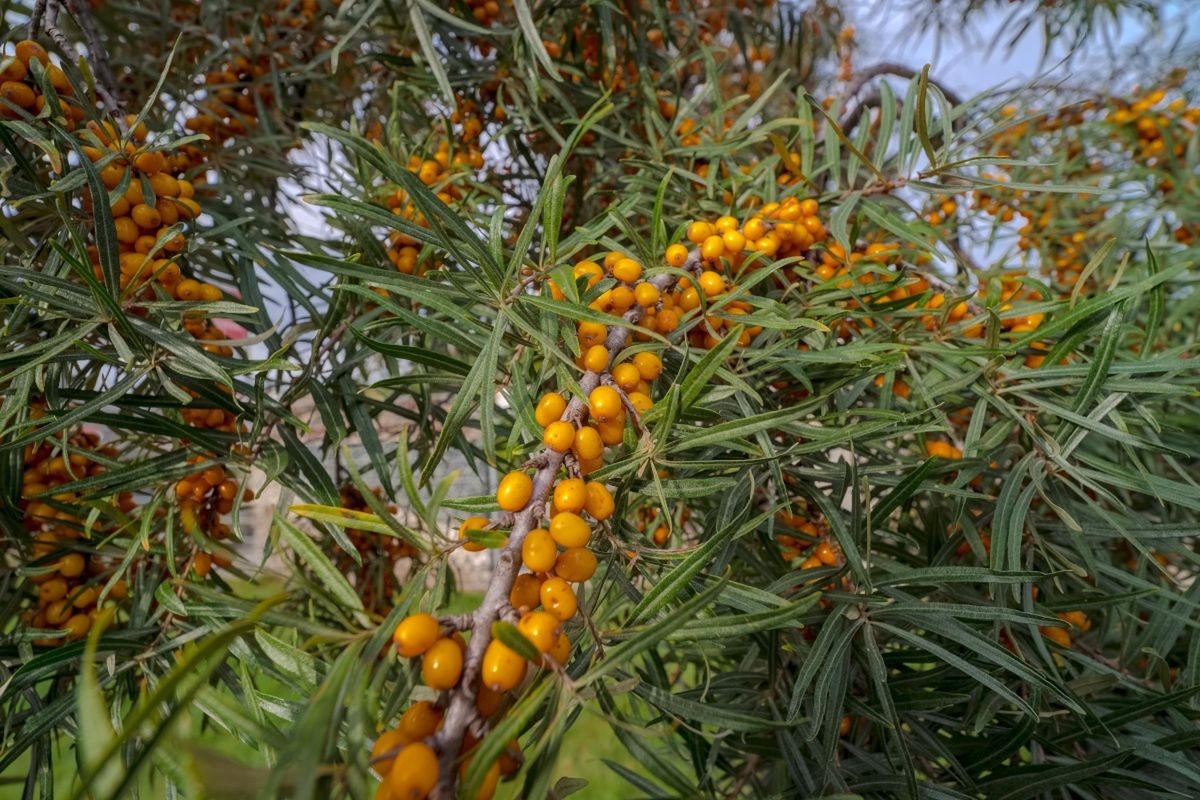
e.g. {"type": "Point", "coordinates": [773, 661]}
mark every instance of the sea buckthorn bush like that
{"type": "Point", "coordinates": [531, 400]}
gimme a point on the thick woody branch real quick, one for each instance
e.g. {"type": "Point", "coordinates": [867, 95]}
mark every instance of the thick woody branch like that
{"type": "Point", "coordinates": [462, 713]}
{"type": "Point", "coordinates": [873, 98]}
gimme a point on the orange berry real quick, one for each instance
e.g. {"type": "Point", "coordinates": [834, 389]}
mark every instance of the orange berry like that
{"type": "Point", "coordinates": [525, 592]}
{"type": "Point", "coordinates": [442, 665]}
{"type": "Point", "coordinates": [627, 270]}
{"type": "Point", "coordinates": [558, 598]}
{"type": "Point", "coordinates": [386, 743]}
{"type": "Point", "coordinates": [539, 551]}
{"type": "Point", "coordinates": [698, 231]}
{"type": "Point", "coordinates": [712, 248]}
{"type": "Point", "coordinates": [711, 283]}
{"type": "Point", "coordinates": [559, 436]}
{"type": "Point", "coordinates": [599, 501]}
{"type": "Point", "coordinates": [626, 376]}
{"type": "Point", "coordinates": [649, 365]}
{"type": "Point", "coordinates": [677, 255]}
{"type": "Point", "coordinates": [415, 634]}
{"type": "Point", "coordinates": [646, 294]}
{"type": "Point", "coordinates": [575, 564]}
{"type": "Point", "coordinates": [604, 403]}
{"type": "Point", "coordinates": [550, 408]}
{"type": "Point", "coordinates": [540, 628]}
{"type": "Point", "coordinates": [514, 491]}
{"type": "Point", "coordinates": [422, 719]}
{"type": "Point", "coordinates": [471, 524]}
{"type": "Point", "coordinates": [414, 772]}
{"type": "Point", "coordinates": [596, 358]}
{"type": "Point", "coordinates": [502, 669]}
{"type": "Point", "coordinates": [588, 444]}
{"type": "Point", "coordinates": [570, 495]}
{"type": "Point", "coordinates": [569, 529]}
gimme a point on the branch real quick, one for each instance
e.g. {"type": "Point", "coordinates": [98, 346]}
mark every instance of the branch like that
{"type": "Point", "coordinates": [462, 712]}
{"type": "Point", "coordinates": [872, 99]}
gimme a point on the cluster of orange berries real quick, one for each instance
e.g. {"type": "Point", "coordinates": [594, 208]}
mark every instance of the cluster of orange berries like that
{"type": "Point", "coordinates": [443, 173]}
{"type": "Point", "coordinates": [553, 558]}
{"type": "Point", "coordinates": [374, 572]}
{"type": "Point", "coordinates": [1160, 133]}
{"type": "Point", "coordinates": [655, 521]}
{"type": "Point", "coordinates": [1077, 620]}
{"type": "Point", "coordinates": [236, 92]}
{"type": "Point", "coordinates": [485, 12]}
{"type": "Point", "coordinates": [67, 578]}
{"type": "Point", "coordinates": [813, 546]}
{"type": "Point", "coordinates": [21, 94]}
{"type": "Point", "coordinates": [151, 202]}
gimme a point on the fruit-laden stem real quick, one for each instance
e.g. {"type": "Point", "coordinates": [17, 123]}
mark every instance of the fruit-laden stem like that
{"type": "Point", "coordinates": [462, 712]}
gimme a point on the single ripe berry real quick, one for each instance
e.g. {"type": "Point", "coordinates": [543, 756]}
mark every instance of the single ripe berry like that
{"type": "Point", "coordinates": [561, 650]}
{"type": "Point", "coordinates": [526, 591]}
{"type": "Point", "coordinates": [734, 241]}
{"type": "Point", "coordinates": [646, 294]}
{"type": "Point", "coordinates": [442, 665]}
{"type": "Point", "coordinates": [640, 401]}
{"type": "Point", "coordinates": [677, 255]}
{"type": "Point", "coordinates": [649, 366]}
{"type": "Point", "coordinates": [712, 248]}
{"type": "Point", "coordinates": [570, 495]}
{"type": "Point", "coordinates": [591, 333]}
{"type": "Point", "coordinates": [538, 551]}
{"type": "Point", "coordinates": [421, 720]}
{"type": "Point", "coordinates": [558, 598]}
{"type": "Point", "coordinates": [569, 529]}
{"type": "Point", "coordinates": [415, 634]}
{"type": "Point", "coordinates": [612, 433]}
{"type": "Point", "coordinates": [599, 501]}
{"type": "Point", "coordinates": [627, 270]}
{"type": "Point", "coordinates": [754, 228]}
{"type": "Point", "coordinates": [502, 669]}
{"type": "Point", "coordinates": [711, 283]}
{"type": "Point", "coordinates": [471, 524]}
{"type": "Point", "coordinates": [622, 299]}
{"type": "Point", "coordinates": [575, 564]}
{"type": "Point", "coordinates": [626, 376]}
{"type": "Point", "coordinates": [559, 436]}
{"type": "Point", "coordinates": [698, 231]}
{"type": "Point", "coordinates": [514, 491]}
{"type": "Point", "coordinates": [591, 269]}
{"type": "Point", "coordinates": [414, 772]}
{"type": "Point", "coordinates": [588, 444]}
{"type": "Point", "coordinates": [726, 223]}
{"type": "Point", "coordinates": [604, 403]}
{"type": "Point", "coordinates": [540, 628]}
{"type": "Point", "coordinates": [387, 742]}
{"type": "Point", "coordinates": [596, 358]}
{"type": "Point", "coordinates": [825, 554]}
{"type": "Point", "coordinates": [550, 408]}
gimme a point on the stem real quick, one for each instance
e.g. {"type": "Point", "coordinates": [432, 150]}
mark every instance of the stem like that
{"type": "Point", "coordinates": [462, 712]}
